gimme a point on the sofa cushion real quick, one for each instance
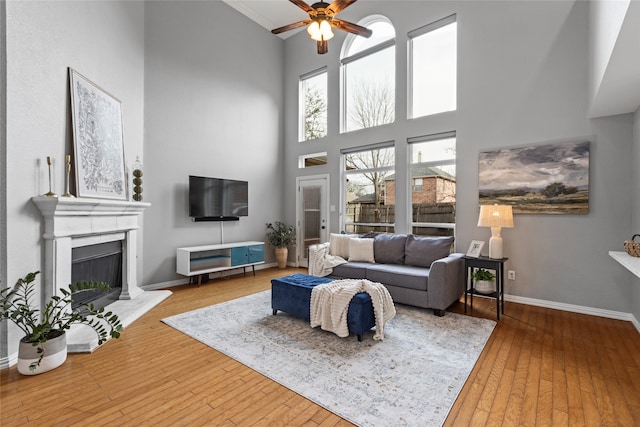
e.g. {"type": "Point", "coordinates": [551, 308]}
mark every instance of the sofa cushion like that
{"type": "Point", "coordinates": [351, 270]}
{"type": "Point", "coordinates": [405, 276]}
{"type": "Point", "coordinates": [361, 250]}
{"type": "Point", "coordinates": [389, 248]}
{"type": "Point", "coordinates": [422, 251]}
{"type": "Point", "coordinates": [339, 245]}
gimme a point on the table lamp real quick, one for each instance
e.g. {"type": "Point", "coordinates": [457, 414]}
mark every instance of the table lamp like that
{"type": "Point", "coordinates": [496, 217]}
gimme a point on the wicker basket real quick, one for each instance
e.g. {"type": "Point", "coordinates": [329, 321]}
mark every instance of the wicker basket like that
{"type": "Point", "coordinates": [632, 247]}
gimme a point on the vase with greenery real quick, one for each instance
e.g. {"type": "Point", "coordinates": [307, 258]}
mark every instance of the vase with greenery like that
{"type": "Point", "coordinates": [52, 321]}
{"type": "Point", "coordinates": [281, 235]}
{"type": "Point", "coordinates": [484, 280]}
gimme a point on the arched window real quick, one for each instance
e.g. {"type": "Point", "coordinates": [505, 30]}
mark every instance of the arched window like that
{"type": "Point", "coordinates": [368, 69]}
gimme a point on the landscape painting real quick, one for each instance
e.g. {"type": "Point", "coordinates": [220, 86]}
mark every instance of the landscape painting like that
{"type": "Point", "coordinates": [541, 179]}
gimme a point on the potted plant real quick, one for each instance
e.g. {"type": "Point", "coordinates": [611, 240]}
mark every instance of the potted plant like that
{"type": "Point", "coordinates": [484, 280]}
{"type": "Point", "coordinates": [44, 346]}
{"type": "Point", "coordinates": [281, 235]}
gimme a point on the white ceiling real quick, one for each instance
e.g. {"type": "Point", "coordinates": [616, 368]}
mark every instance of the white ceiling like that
{"type": "Point", "coordinates": [619, 90]}
{"type": "Point", "coordinates": [271, 13]}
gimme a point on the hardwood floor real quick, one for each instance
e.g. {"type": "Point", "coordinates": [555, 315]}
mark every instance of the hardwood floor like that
{"type": "Point", "coordinates": [540, 367]}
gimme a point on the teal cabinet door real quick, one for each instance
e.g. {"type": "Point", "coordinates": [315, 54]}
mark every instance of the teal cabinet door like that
{"type": "Point", "coordinates": [239, 255]}
{"type": "Point", "coordinates": [256, 253]}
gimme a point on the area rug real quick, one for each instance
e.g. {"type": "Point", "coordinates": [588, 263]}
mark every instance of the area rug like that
{"type": "Point", "coordinates": [412, 378]}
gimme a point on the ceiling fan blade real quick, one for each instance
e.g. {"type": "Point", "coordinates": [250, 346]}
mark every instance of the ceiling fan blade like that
{"type": "Point", "coordinates": [339, 5]}
{"type": "Point", "coordinates": [323, 47]}
{"type": "Point", "coordinates": [291, 26]}
{"type": "Point", "coordinates": [350, 27]}
{"type": "Point", "coordinates": [302, 5]}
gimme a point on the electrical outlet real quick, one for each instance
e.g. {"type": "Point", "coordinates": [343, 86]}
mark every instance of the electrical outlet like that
{"type": "Point", "coordinates": [511, 275]}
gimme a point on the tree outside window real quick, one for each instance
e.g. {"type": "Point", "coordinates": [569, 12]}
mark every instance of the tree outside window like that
{"type": "Point", "coordinates": [313, 101]}
{"type": "Point", "coordinates": [368, 73]}
{"type": "Point", "coordinates": [367, 207]}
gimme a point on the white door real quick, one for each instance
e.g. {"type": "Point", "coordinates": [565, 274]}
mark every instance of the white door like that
{"type": "Point", "coordinates": [312, 214]}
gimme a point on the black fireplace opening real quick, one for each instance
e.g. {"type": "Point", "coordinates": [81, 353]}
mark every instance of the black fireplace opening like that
{"type": "Point", "coordinates": [100, 263]}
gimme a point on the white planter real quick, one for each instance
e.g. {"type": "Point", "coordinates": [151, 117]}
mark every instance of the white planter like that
{"type": "Point", "coordinates": [485, 286]}
{"type": "Point", "coordinates": [55, 353]}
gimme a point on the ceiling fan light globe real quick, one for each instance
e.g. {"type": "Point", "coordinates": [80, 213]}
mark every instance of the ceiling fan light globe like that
{"type": "Point", "coordinates": [314, 31]}
{"type": "Point", "coordinates": [325, 30]}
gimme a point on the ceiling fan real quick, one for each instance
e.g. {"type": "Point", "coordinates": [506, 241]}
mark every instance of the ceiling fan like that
{"type": "Point", "coordinates": [322, 16]}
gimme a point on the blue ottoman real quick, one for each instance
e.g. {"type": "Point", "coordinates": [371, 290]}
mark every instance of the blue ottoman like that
{"type": "Point", "coordinates": [292, 294]}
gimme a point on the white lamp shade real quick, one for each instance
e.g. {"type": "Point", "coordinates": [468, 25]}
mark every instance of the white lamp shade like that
{"type": "Point", "coordinates": [495, 216]}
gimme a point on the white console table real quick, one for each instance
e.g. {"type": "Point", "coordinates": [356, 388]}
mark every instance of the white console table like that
{"type": "Point", "coordinates": [199, 260]}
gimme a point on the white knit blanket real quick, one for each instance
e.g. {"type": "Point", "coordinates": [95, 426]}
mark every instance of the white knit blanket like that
{"type": "Point", "coordinates": [321, 263]}
{"type": "Point", "coordinates": [330, 303]}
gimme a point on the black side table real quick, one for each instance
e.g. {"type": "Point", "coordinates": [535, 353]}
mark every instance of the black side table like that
{"type": "Point", "coordinates": [487, 263]}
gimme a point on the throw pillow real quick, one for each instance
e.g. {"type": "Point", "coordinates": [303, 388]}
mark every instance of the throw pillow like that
{"type": "Point", "coordinates": [361, 250]}
{"type": "Point", "coordinates": [389, 248]}
{"type": "Point", "coordinates": [422, 251]}
{"type": "Point", "coordinates": [339, 245]}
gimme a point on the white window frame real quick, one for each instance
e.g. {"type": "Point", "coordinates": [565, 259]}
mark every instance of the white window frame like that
{"type": "Point", "coordinates": [301, 103]}
{"type": "Point", "coordinates": [410, 52]}
{"type": "Point", "coordinates": [302, 159]}
{"type": "Point", "coordinates": [343, 178]}
{"type": "Point", "coordinates": [410, 166]}
{"type": "Point", "coordinates": [345, 60]}
{"type": "Point", "coordinates": [415, 186]}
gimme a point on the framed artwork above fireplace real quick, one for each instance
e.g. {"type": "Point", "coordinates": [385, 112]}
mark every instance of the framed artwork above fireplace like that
{"type": "Point", "coordinates": [97, 140]}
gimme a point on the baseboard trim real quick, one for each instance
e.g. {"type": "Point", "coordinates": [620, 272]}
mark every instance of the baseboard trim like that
{"type": "Point", "coordinates": [611, 314]}
{"type": "Point", "coordinates": [7, 362]}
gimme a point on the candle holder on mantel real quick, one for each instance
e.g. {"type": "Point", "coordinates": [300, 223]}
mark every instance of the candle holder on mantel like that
{"type": "Point", "coordinates": [68, 170]}
{"type": "Point", "coordinates": [50, 193]}
{"type": "Point", "coordinates": [137, 180]}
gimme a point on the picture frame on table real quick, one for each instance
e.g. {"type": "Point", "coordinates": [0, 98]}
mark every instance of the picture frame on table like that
{"type": "Point", "coordinates": [475, 248]}
{"type": "Point", "coordinates": [98, 140]}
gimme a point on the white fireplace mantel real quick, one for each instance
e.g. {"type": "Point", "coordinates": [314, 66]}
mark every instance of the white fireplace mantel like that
{"type": "Point", "coordinates": [74, 222]}
{"type": "Point", "coordinates": [70, 216]}
{"type": "Point", "coordinates": [71, 222]}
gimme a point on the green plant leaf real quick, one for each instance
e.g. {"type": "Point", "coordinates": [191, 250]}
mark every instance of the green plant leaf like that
{"type": "Point", "coordinates": [56, 315]}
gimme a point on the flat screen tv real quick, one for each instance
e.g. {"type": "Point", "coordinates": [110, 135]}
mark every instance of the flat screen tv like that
{"type": "Point", "coordinates": [215, 199]}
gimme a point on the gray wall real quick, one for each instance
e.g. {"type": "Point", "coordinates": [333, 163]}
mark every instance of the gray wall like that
{"type": "Point", "coordinates": [522, 79]}
{"type": "Point", "coordinates": [213, 107]}
{"type": "Point", "coordinates": [104, 41]}
{"type": "Point", "coordinates": [3, 165]}
{"type": "Point", "coordinates": [635, 179]}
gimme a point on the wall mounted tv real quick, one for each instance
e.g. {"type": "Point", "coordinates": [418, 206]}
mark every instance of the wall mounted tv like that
{"type": "Point", "coordinates": [215, 199]}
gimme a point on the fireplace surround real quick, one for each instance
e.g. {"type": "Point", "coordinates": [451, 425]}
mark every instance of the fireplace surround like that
{"type": "Point", "coordinates": [78, 222]}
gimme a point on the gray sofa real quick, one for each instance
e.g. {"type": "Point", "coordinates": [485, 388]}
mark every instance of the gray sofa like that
{"type": "Point", "coordinates": [417, 271]}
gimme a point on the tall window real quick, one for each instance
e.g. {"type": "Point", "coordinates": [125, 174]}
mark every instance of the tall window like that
{"type": "Point", "coordinates": [433, 68]}
{"type": "Point", "coordinates": [313, 105]}
{"type": "Point", "coordinates": [368, 76]}
{"type": "Point", "coordinates": [433, 202]}
{"type": "Point", "coordinates": [368, 176]}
